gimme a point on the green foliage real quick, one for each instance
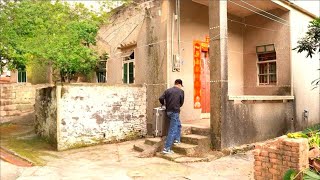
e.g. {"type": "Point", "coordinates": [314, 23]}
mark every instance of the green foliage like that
{"type": "Point", "coordinates": [290, 174]}
{"type": "Point", "coordinates": [51, 32]}
{"type": "Point", "coordinates": [297, 135]}
{"type": "Point", "coordinates": [310, 42]}
{"type": "Point", "coordinates": [310, 175]}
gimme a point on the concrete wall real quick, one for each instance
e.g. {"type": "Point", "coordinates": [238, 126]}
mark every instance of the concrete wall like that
{"type": "Point", "coordinates": [235, 56]}
{"type": "Point", "coordinates": [304, 72]}
{"type": "Point", "coordinates": [144, 23]}
{"type": "Point", "coordinates": [17, 100]}
{"type": "Point", "coordinates": [253, 121]}
{"type": "Point", "coordinates": [277, 34]}
{"type": "Point", "coordinates": [194, 26]}
{"type": "Point", "coordinates": [76, 115]}
{"type": "Point", "coordinates": [45, 119]}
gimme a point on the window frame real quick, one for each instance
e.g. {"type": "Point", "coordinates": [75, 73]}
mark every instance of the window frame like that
{"type": "Point", "coordinates": [267, 62]}
{"type": "Point", "coordinates": [128, 61]}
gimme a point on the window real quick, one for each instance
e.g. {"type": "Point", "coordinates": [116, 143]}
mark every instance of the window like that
{"type": "Point", "coordinates": [128, 67]}
{"type": "Point", "coordinates": [22, 76]}
{"type": "Point", "coordinates": [102, 68]}
{"type": "Point", "coordinates": [267, 66]}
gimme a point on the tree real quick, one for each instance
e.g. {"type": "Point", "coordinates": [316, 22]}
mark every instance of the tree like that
{"type": "Point", "coordinates": [311, 43]}
{"type": "Point", "coordinates": [50, 32]}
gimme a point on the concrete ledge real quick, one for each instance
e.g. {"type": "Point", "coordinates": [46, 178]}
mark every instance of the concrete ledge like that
{"type": "Point", "coordinates": [260, 98]}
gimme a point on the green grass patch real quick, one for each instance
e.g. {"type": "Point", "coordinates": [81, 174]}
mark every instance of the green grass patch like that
{"type": "Point", "coordinates": [32, 148]}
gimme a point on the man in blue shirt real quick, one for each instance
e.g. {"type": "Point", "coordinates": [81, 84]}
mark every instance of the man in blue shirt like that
{"type": "Point", "coordinates": [173, 99]}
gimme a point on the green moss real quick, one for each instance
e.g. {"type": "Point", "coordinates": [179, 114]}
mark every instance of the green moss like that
{"type": "Point", "coordinates": [31, 149]}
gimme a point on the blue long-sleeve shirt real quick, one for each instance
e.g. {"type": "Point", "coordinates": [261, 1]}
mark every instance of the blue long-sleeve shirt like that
{"type": "Point", "coordinates": [173, 99]}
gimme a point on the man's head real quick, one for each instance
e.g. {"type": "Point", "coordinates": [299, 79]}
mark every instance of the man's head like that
{"type": "Point", "coordinates": [178, 82]}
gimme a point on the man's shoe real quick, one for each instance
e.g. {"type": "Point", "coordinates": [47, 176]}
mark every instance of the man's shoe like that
{"type": "Point", "coordinates": [176, 142]}
{"type": "Point", "coordinates": [165, 151]}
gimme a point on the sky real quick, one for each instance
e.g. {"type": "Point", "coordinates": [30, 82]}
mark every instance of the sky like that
{"type": "Point", "coordinates": [312, 6]}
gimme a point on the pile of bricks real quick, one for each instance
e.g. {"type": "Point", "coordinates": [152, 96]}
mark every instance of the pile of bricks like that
{"type": "Point", "coordinates": [273, 158]}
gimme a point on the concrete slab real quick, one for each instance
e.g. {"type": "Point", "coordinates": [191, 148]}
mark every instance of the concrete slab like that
{"type": "Point", "coordinates": [120, 161]}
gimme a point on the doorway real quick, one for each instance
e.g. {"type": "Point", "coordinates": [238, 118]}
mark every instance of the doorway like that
{"type": "Point", "coordinates": [202, 78]}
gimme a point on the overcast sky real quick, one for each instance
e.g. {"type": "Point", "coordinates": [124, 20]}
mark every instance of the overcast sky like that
{"type": "Point", "coordinates": [312, 6]}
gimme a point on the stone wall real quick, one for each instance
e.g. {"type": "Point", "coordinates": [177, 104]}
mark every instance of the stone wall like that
{"type": "Point", "coordinates": [86, 114]}
{"type": "Point", "coordinates": [17, 100]}
{"type": "Point", "coordinates": [46, 114]}
{"type": "Point", "coordinates": [275, 157]}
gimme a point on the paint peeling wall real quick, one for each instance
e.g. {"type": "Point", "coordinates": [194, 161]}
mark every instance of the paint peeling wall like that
{"type": "Point", "coordinates": [89, 114]}
{"type": "Point", "coordinates": [77, 115]}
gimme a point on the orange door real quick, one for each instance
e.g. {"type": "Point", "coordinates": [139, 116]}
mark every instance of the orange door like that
{"type": "Point", "coordinates": [205, 82]}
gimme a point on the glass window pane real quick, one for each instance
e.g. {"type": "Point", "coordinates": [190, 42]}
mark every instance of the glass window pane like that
{"type": "Point", "coordinates": [270, 48]}
{"type": "Point", "coordinates": [272, 67]}
{"type": "Point", "coordinates": [260, 49]}
{"type": "Point", "coordinates": [131, 72]}
{"type": "Point", "coordinates": [263, 79]}
{"type": "Point", "coordinates": [125, 73]}
{"type": "Point", "coordinates": [273, 79]}
{"type": "Point", "coordinates": [263, 69]}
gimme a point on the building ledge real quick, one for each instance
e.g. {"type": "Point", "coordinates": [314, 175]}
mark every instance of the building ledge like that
{"type": "Point", "coordinates": [259, 98]}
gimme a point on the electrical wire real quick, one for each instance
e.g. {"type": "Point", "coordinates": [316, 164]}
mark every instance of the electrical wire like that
{"type": "Point", "coordinates": [285, 21]}
{"type": "Point", "coordinates": [259, 13]}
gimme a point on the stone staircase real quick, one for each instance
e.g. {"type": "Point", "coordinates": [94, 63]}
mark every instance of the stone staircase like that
{"type": "Point", "coordinates": [194, 146]}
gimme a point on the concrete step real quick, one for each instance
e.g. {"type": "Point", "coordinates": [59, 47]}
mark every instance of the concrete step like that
{"type": "Point", "coordinates": [195, 139]}
{"type": "Point", "coordinates": [200, 131]}
{"type": "Point", "coordinates": [185, 149]}
{"type": "Point", "coordinates": [152, 141]}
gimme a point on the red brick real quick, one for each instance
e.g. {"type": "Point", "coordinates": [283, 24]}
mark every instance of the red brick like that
{"type": "Point", "coordinates": [295, 149]}
{"type": "Point", "coordinates": [287, 153]}
{"type": "Point", "coordinates": [266, 165]}
{"type": "Point", "coordinates": [257, 168]}
{"type": "Point", "coordinates": [286, 158]}
{"type": "Point", "coordinates": [272, 155]}
{"type": "Point", "coordinates": [274, 171]}
{"type": "Point", "coordinates": [294, 159]}
{"type": "Point", "coordinates": [256, 152]}
{"type": "Point", "coordinates": [259, 178]}
{"type": "Point", "coordinates": [257, 173]}
{"type": "Point", "coordinates": [276, 161]}
{"type": "Point", "coordinates": [286, 148]}
{"type": "Point", "coordinates": [264, 153]}
{"type": "Point", "coordinates": [257, 163]}
{"type": "Point", "coordinates": [263, 159]}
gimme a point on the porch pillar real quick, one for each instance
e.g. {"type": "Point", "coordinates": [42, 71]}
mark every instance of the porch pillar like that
{"type": "Point", "coordinates": [218, 69]}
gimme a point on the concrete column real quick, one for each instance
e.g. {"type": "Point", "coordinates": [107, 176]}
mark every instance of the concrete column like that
{"type": "Point", "coordinates": [218, 69]}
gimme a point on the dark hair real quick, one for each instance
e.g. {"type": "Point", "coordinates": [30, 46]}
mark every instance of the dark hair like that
{"type": "Point", "coordinates": [178, 81]}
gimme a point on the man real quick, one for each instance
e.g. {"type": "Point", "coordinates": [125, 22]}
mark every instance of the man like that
{"type": "Point", "coordinates": [173, 99]}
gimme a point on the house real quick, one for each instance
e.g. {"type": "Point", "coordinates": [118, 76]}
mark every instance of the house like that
{"type": "Point", "coordinates": [235, 59]}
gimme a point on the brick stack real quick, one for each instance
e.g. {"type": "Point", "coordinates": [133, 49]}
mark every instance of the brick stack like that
{"type": "Point", "coordinates": [273, 158]}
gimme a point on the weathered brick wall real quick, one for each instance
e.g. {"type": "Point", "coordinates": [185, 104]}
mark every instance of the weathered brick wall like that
{"type": "Point", "coordinates": [86, 114]}
{"type": "Point", "coordinates": [17, 100]}
{"type": "Point", "coordinates": [275, 157]}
